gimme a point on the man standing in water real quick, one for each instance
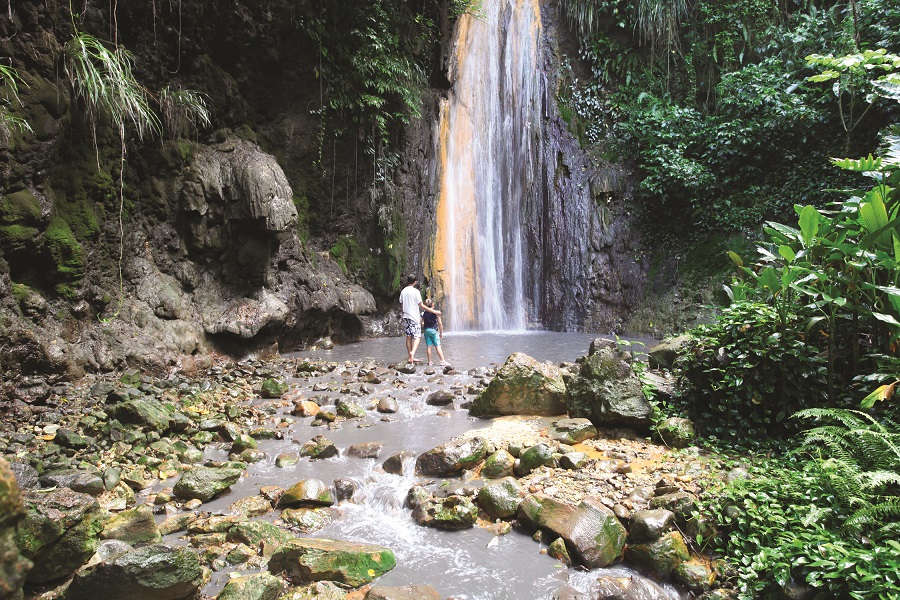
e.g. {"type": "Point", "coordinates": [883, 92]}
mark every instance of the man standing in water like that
{"type": "Point", "coordinates": [411, 300]}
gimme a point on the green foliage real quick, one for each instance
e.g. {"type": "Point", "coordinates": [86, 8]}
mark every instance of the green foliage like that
{"type": "Point", "coordinates": [349, 255]}
{"type": "Point", "coordinates": [864, 460]}
{"type": "Point", "coordinates": [66, 252]}
{"type": "Point", "coordinates": [9, 95]}
{"type": "Point", "coordinates": [749, 371]}
{"type": "Point", "coordinates": [783, 523]}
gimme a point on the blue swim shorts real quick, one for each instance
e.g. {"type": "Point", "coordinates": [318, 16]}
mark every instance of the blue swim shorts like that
{"type": "Point", "coordinates": [432, 338]}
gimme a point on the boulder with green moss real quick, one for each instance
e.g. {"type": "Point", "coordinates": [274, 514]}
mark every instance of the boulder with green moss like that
{"type": "Point", "coordinates": [13, 566]}
{"type": "Point", "coordinates": [522, 386]}
{"type": "Point", "coordinates": [317, 559]}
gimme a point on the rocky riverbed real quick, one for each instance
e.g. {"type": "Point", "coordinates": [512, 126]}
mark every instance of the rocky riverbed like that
{"type": "Point", "coordinates": [135, 486]}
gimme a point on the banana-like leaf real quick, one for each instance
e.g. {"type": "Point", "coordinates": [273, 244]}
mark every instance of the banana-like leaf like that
{"type": "Point", "coordinates": [787, 253]}
{"type": "Point", "coordinates": [890, 320]}
{"type": "Point", "coordinates": [737, 260]}
{"type": "Point", "coordinates": [789, 232]}
{"type": "Point", "coordinates": [809, 224]}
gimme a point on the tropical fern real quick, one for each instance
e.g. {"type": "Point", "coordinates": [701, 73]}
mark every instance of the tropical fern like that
{"type": "Point", "coordinates": [864, 462]}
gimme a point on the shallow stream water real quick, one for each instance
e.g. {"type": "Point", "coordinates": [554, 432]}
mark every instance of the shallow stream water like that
{"type": "Point", "coordinates": [471, 564]}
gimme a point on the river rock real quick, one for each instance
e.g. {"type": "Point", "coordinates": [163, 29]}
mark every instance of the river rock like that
{"type": "Point", "coordinates": [316, 559]}
{"type": "Point", "coordinates": [287, 459]}
{"type": "Point", "coordinates": [406, 592]}
{"type": "Point", "coordinates": [451, 513]}
{"type": "Point", "coordinates": [607, 391]}
{"type": "Point", "coordinates": [204, 483]}
{"type": "Point", "coordinates": [440, 398]}
{"type": "Point", "coordinates": [573, 460]}
{"type": "Point", "coordinates": [273, 388]}
{"type": "Point", "coordinates": [77, 481]}
{"type": "Point", "coordinates": [25, 475]}
{"type": "Point", "coordinates": [536, 456]}
{"type": "Point", "coordinates": [309, 492]}
{"type": "Point", "coordinates": [70, 439]}
{"type": "Point", "coordinates": [388, 405]}
{"type": "Point", "coordinates": [573, 431]}
{"type": "Point", "coordinates": [499, 464]}
{"type": "Point", "coordinates": [135, 526]}
{"type": "Point", "coordinates": [13, 566]}
{"type": "Point", "coordinates": [258, 533]}
{"type": "Point", "coordinates": [557, 549]}
{"type": "Point", "coordinates": [683, 504]}
{"type": "Point", "coordinates": [161, 572]}
{"type": "Point", "coordinates": [632, 587]}
{"type": "Point", "coordinates": [305, 408]}
{"type": "Point", "coordinates": [349, 409]}
{"type": "Point", "coordinates": [320, 590]}
{"type": "Point", "coordinates": [61, 531]}
{"type": "Point", "coordinates": [144, 412]}
{"type": "Point", "coordinates": [307, 520]}
{"type": "Point", "coordinates": [522, 386]}
{"type": "Point", "coordinates": [250, 506]}
{"type": "Point", "coordinates": [319, 447]}
{"type": "Point", "coordinates": [663, 355]}
{"type": "Point", "coordinates": [259, 586]}
{"type": "Point", "coordinates": [500, 499]}
{"type": "Point", "coordinates": [676, 432]}
{"type": "Point", "coordinates": [452, 458]}
{"type": "Point", "coordinates": [590, 529]}
{"type": "Point", "coordinates": [649, 525]}
{"type": "Point", "coordinates": [660, 557]}
{"type": "Point", "coordinates": [394, 463]}
{"type": "Point", "coordinates": [696, 577]}
{"type": "Point", "coordinates": [243, 442]}
{"type": "Point", "coordinates": [365, 450]}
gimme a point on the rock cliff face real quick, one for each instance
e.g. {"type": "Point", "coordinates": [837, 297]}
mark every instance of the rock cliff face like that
{"type": "Point", "coordinates": [253, 232]}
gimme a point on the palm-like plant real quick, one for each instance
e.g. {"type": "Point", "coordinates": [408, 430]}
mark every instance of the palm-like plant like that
{"type": "Point", "coordinates": [9, 94]}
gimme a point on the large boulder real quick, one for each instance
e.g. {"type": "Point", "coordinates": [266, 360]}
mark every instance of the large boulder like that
{"type": "Point", "coordinates": [204, 483]}
{"type": "Point", "coordinates": [663, 355]}
{"type": "Point", "coordinates": [160, 572]}
{"type": "Point", "coordinates": [60, 532]}
{"type": "Point", "coordinates": [309, 492]}
{"type": "Point", "coordinates": [135, 526]}
{"type": "Point", "coordinates": [317, 559]}
{"type": "Point", "coordinates": [590, 529]}
{"type": "Point", "coordinates": [452, 458]}
{"type": "Point", "coordinates": [451, 513]}
{"type": "Point", "coordinates": [607, 391]}
{"type": "Point", "coordinates": [572, 431]}
{"type": "Point", "coordinates": [630, 587]}
{"type": "Point", "coordinates": [522, 386]}
{"type": "Point", "coordinates": [145, 412]}
{"type": "Point", "coordinates": [13, 566]}
{"type": "Point", "coordinates": [659, 558]}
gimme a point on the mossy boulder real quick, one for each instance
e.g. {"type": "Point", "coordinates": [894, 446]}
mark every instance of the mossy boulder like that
{"type": "Point", "coordinates": [522, 386]}
{"type": "Point", "coordinates": [591, 530]}
{"type": "Point", "coordinates": [135, 526]}
{"type": "Point", "coordinates": [309, 492]}
{"type": "Point", "coordinates": [607, 391]}
{"type": "Point", "coordinates": [499, 464]}
{"type": "Point", "coordinates": [452, 458]}
{"type": "Point", "coordinates": [256, 533]}
{"type": "Point", "coordinates": [317, 559]}
{"type": "Point", "coordinates": [451, 513]}
{"type": "Point", "coordinates": [204, 483]}
{"type": "Point", "coordinates": [273, 388]}
{"type": "Point", "coordinates": [536, 456]}
{"type": "Point", "coordinates": [13, 566]}
{"type": "Point", "coordinates": [676, 432]}
{"type": "Point", "coordinates": [66, 251]}
{"type": "Point", "coordinates": [60, 532]}
{"type": "Point", "coordinates": [259, 586]}
{"type": "Point", "coordinates": [20, 207]}
{"type": "Point", "coordinates": [572, 431]}
{"type": "Point", "coordinates": [160, 572]}
{"type": "Point", "coordinates": [500, 499]}
{"type": "Point", "coordinates": [659, 558]}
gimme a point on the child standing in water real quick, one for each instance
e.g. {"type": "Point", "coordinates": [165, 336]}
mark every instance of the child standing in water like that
{"type": "Point", "coordinates": [434, 332]}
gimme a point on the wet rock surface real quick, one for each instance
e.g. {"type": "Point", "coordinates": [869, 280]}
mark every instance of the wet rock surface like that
{"type": "Point", "coordinates": [600, 479]}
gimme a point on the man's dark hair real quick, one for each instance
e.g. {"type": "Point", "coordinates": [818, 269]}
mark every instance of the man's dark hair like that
{"type": "Point", "coordinates": [411, 279]}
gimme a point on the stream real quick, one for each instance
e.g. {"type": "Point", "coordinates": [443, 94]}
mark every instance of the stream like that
{"type": "Point", "coordinates": [472, 564]}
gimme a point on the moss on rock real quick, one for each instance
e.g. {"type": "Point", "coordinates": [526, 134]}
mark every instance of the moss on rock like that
{"type": "Point", "coordinates": [67, 253]}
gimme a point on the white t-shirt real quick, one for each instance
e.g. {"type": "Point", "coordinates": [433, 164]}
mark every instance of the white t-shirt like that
{"type": "Point", "coordinates": [411, 298]}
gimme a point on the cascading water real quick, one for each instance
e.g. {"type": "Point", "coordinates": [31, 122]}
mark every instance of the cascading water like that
{"type": "Point", "coordinates": [490, 163]}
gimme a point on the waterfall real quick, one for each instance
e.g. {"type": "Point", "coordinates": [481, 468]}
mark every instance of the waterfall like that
{"type": "Point", "coordinates": [489, 157]}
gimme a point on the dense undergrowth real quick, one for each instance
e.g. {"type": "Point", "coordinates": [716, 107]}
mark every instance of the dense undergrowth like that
{"type": "Point", "coordinates": [731, 112]}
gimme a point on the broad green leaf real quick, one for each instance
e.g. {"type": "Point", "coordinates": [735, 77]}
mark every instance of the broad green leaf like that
{"type": "Point", "coordinates": [787, 253]}
{"type": "Point", "coordinates": [809, 224]}
{"type": "Point", "coordinates": [883, 392]}
{"type": "Point", "coordinates": [738, 262]}
{"type": "Point", "coordinates": [886, 319]}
